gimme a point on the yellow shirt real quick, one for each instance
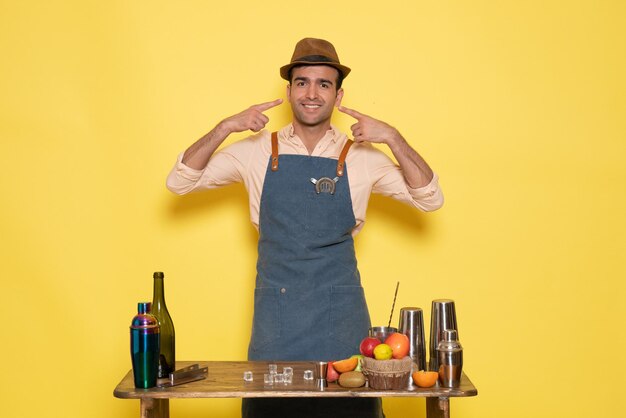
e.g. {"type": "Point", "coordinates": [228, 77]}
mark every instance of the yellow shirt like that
{"type": "Point", "coordinates": [369, 171]}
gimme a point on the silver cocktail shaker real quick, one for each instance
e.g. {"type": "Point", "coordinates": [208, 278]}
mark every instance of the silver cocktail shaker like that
{"type": "Point", "coordinates": [412, 325]}
{"type": "Point", "coordinates": [450, 359]}
{"type": "Point", "coordinates": [443, 316]}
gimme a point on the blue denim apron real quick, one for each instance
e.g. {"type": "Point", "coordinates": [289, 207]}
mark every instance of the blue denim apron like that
{"type": "Point", "coordinates": [308, 301]}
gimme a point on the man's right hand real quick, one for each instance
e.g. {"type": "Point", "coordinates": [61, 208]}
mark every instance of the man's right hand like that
{"type": "Point", "coordinates": [250, 119]}
{"type": "Point", "coordinates": [197, 155]}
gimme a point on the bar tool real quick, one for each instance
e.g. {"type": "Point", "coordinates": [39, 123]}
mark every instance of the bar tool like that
{"type": "Point", "coordinates": [321, 367]}
{"type": "Point", "coordinates": [382, 332]}
{"type": "Point", "coordinates": [450, 359]}
{"type": "Point", "coordinates": [144, 346]}
{"type": "Point", "coordinates": [412, 325]}
{"type": "Point", "coordinates": [395, 295]}
{"type": "Point", "coordinates": [443, 316]}
{"type": "Point", "coordinates": [185, 375]}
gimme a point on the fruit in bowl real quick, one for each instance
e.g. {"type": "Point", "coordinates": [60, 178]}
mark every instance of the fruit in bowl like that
{"type": "Point", "coordinates": [383, 352]}
{"type": "Point", "coordinates": [368, 344]}
{"type": "Point", "coordinates": [387, 372]}
{"type": "Point", "coordinates": [399, 344]}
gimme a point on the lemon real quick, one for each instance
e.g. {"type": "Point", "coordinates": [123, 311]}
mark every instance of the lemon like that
{"type": "Point", "coordinates": [382, 352]}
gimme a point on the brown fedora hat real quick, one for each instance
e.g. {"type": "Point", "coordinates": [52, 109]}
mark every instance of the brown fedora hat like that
{"type": "Point", "coordinates": [312, 51]}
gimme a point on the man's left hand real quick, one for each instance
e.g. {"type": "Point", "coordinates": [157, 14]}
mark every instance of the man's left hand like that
{"type": "Point", "coordinates": [368, 129]}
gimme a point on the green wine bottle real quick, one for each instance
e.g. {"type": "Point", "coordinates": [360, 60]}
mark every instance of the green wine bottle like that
{"type": "Point", "coordinates": [167, 355]}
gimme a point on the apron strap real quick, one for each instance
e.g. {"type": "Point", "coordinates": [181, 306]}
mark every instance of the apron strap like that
{"type": "Point", "coordinates": [274, 151]}
{"type": "Point", "coordinates": [342, 157]}
{"type": "Point", "coordinates": [341, 162]}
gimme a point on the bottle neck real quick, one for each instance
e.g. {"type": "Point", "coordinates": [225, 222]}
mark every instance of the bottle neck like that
{"type": "Point", "coordinates": [159, 294]}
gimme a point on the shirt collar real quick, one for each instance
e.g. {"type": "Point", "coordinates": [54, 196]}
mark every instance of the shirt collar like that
{"type": "Point", "coordinates": [333, 134]}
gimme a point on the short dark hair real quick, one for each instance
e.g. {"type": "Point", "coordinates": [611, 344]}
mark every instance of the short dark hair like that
{"type": "Point", "coordinates": [339, 73]}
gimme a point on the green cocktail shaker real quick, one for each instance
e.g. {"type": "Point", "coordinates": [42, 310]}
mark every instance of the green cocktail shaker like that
{"type": "Point", "coordinates": [144, 346]}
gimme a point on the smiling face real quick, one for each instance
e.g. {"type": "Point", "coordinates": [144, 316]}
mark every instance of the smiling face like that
{"type": "Point", "coordinates": [312, 94]}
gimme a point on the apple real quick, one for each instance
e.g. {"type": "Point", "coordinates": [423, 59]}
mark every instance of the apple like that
{"type": "Point", "coordinates": [367, 346]}
{"type": "Point", "coordinates": [331, 373]}
{"type": "Point", "coordinates": [399, 344]}
{"type": "Point", "coordinates": [359, 364]}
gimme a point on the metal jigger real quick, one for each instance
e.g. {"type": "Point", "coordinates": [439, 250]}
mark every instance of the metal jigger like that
{"type": "Point", "coordinates": [412, 325]}
{"type": "Point", "coordinates": [443, 316]}
{"type": "Point", "coordinates": [321, 367]}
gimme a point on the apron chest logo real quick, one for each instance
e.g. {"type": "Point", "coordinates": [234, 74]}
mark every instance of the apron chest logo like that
{"type": "Point", "coordinates": [325, 185]}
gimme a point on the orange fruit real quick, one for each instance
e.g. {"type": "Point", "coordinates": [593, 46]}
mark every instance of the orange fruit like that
{"type": "Point", "coordinates": [399, 344]}
{"type": "Point", "coordinates": [425, 379]}
{"type": "Point", "coordinates": [359, 363]}
{"type": "Point", "coordinates": [346, 365]}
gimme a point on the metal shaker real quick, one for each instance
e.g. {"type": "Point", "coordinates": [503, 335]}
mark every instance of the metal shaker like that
{"type": "Point", "coordinates": [412, 325]}
{"type": "Point", "coordinates": [144, 346]}
{"type": "Point", "coordinates": [381, 332]}
{"type": "Point", "coordinates": [450, 359]}
{"type": "Point", "coordinates": [443, 316]}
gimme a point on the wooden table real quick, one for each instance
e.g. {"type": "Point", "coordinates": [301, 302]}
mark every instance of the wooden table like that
{"type": "Point", "coordinates": [225, 380]}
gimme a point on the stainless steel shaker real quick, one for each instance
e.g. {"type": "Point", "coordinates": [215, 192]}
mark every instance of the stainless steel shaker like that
{"type": "Point", "coordinates": [382, 332]}
{"type": "Point", "coordinates": [450, 355]}
{"type": "Point", "coordinates": [443, 316]}
{"type": "Point", "coordinates": [412, 325]}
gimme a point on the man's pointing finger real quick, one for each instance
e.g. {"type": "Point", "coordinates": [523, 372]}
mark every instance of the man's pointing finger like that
{"type": "Point", "coordinates": [350, 112]}
{"type": "Point", "coordinates": [268, 105]}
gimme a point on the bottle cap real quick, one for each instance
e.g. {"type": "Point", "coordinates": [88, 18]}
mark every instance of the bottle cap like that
{"type": "Point", "coordinates": [158, 275]}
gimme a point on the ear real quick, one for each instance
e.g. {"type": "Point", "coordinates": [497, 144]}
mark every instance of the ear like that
{"type": "Point", "coordinates": [289, 92]}
{"type": "Point", "coordinates": [339, 97]}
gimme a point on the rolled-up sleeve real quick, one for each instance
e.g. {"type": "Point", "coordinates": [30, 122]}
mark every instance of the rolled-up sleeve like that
{"type": "Point", "coordinates": [182, 179]}
{"type": "Point", "coordinates": [225, 167]}
{"type": "Point", "coordinates": [388, 180]}
{"type": "Point", "coordinates": [429, 197]}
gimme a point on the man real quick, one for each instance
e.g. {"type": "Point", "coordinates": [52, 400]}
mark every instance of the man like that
{"type": "Point", "coordinates": [308, 190]}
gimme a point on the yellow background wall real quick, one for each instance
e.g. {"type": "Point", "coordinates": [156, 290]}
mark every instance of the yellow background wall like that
{"type": "Point", "coordinates": [519, 106]}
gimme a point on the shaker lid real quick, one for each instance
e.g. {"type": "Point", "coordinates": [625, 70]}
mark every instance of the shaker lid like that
{"type": "Point", "coordinates": [144, 320]}
{"type": "Point", "coordinates": [449, 341]}
{"type": "Point", "coordinates": [144, 307]}
{"type": "Point", "coordinates": [450, 335]}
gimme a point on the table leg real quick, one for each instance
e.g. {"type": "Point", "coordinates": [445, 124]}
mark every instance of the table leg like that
{"type": "Point", "coordinates": [155, 408]}
{"type": "Point", "coordinates": [438, 407]}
